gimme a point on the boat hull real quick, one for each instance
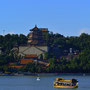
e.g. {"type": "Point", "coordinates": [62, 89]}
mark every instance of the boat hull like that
{"type": "Point", "coordinates": [65, 86]}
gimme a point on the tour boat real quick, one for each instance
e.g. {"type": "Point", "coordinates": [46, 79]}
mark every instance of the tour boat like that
{"type": "Point", "coordinates": [61, 83]}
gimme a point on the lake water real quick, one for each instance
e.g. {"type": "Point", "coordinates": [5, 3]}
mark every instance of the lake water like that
{"type": "Point", "coordinates": [45, 83]}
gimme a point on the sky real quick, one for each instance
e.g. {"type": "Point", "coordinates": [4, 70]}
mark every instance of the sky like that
{"type": "Point", "coordinates": [66, 17]}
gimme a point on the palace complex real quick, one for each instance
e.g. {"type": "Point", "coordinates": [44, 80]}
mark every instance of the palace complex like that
{"type": "Point", "coordinates": [36, 46]}
{"type": "Point", "coordinates": [36, 43]}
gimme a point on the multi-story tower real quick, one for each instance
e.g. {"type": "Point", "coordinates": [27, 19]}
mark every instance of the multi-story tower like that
{"type": "Point", "coordinates": [36, 42]}
{"type": "Point", "coordinates": [37, 36]}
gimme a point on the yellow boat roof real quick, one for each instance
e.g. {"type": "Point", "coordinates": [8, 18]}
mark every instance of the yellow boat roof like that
{"type": "Point", "coordinates": [68, 81]}
{"type": "Point", "coordinates": [62, 80]}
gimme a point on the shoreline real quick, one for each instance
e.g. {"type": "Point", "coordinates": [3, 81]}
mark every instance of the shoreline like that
{"type": "Point", "coordinates": [44, 74]}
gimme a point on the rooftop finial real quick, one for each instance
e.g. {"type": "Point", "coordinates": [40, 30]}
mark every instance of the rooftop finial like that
{"type": "Point", "coordinates": [35, 25]}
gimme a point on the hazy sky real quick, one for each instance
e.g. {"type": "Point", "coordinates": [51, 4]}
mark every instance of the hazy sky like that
{"type": "Point", "coordinates": [67, 17]}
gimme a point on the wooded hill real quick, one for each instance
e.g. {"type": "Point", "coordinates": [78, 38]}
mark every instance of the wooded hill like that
{"type": "Point", "coordinates": [59, 56]}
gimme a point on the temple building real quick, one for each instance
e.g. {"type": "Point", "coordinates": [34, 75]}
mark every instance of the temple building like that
{"type": "Point", "coordinates": [36, 44]}
{"type": "Point", "coordinates": [37, 36]}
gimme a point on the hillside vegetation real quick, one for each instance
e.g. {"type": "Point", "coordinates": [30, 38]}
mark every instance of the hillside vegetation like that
{"type": "Point", "coordinates": [59, 56]}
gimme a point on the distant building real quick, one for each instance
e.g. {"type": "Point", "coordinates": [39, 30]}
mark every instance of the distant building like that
{"type": "Point", "coordinates": [36, 42]}
{"type": "Point", "coordinates": [0, 51]}
{"type": "Point", "coordinates": [37, 50]}
{"type": "Point", "coordinates": [28, 59]}
{"type": "Point", "coordinates": [37, 36]}
{"type": "Point", "coordinates": [36, 45]}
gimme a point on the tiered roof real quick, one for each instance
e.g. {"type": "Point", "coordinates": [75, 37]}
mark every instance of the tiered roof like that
{"type": "Point", "coordinates": [36, 36]}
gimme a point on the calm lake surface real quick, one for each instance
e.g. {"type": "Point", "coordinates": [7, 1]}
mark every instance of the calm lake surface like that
{"type": "Point", "coordinates": [45, 83]}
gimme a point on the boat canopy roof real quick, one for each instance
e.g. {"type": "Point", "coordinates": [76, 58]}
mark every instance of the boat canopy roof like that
{"type": "Point", "coordinates": [66, 81]}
